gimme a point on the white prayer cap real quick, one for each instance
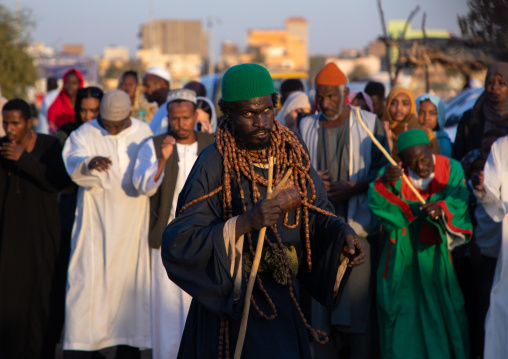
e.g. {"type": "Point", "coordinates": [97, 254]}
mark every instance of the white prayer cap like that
{"type": "Point", "coordinates": [181, 95]}
{"type": "Point", "coordinates": [115, 106]}
{"type": "Point", "coordinates": [159, 72]}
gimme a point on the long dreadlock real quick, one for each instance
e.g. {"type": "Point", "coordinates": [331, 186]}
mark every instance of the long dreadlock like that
{"type": "Point", "coordinates": [288, 153]}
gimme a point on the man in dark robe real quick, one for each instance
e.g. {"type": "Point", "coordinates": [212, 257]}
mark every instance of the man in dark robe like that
{"type": "Point", "coordinates": [203, 249]}
{"type": "Point", "coordinates": [31, 173]}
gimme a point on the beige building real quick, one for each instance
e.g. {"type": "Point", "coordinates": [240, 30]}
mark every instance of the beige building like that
{"type": "Point", "coordinates": [116, 53]}
{"type": "Point", "coordinates": [281, 49]}
{"type": "Point", "coordinates": [175, 37]}
{"type": "Point", "coordinates": [182, 67]}
{"type": "Point", "coordinates": [377, 48]}
{"type": "Point", "coordinates": [229, 55]}
{"type": "Point", "coordinates": [73, 49]}
{"type": "Point", "coordinates": [180, 46]}
{"type": "Point", "coordinates": [367, 65]}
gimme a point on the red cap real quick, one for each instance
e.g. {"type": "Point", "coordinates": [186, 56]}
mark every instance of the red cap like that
{"type": "Point", "coordinates": [331, 75]}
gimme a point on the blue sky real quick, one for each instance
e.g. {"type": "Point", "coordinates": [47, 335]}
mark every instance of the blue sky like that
{"type": "Point", "coordinates": [332, 24]}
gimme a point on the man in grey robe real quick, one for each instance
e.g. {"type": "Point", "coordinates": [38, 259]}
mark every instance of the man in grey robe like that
{"type": "Point", "coordinates": [347, 161]}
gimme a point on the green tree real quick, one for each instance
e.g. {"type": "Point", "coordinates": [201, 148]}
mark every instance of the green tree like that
{"type": "Point", "coordinates": [113, 72]}
{"type": "Point", "coordinates": [17, 70]}
{"type": "Point", "coordinates": [487, 22]}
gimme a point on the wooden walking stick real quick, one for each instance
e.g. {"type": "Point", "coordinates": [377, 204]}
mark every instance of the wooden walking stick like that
{"type": "Point", "coordinates": [453, 238]}
{"type": "Point", "coordinates": [388, 156]}
{"type": "Point", "coordinates": [257, 258]}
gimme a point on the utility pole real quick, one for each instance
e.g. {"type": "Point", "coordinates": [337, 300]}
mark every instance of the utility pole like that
{"type": "Point", "coordinates": [210, 23]}
{"type": "Point", "coordinates": [18, 20]}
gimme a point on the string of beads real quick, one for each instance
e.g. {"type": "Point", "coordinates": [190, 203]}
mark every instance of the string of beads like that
{"type": "Point", "coordinates": [240, 162]}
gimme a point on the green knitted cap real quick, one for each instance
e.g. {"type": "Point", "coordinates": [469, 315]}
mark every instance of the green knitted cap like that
{"type": "Point", "coordinates": [410, 138]}
{"type": "Point", "coordinates": [246, 81]}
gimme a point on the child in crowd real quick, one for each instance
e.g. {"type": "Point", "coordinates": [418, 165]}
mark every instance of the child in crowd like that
{"type": "Point", "coordinates": [431, 114]}
{"type": "Point", "coordinates": [400, 115]}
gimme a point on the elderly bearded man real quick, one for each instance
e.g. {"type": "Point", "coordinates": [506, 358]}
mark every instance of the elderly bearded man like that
{"type": "Point", "coordinates": [347, 161]}
{"type": "Point", "coordinates": [204, 251]}
{"type": "Point", "coordinates": [420, 305]}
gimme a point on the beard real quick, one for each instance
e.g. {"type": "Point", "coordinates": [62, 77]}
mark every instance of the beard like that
{"type": "Point", "coordinates": [251, 146]}
{"type": "Point", "coordinates": [246, 143]}
{"type": "Point", "coordinates": [336, 115]}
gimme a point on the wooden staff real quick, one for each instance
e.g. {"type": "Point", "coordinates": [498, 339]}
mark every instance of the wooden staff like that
{"type": "Point", "coordinates": [257, 258]}
{"type": "Point", "coordinates": [388, 156]}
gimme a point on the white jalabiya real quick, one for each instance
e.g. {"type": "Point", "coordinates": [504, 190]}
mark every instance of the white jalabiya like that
{"type": "Point", "coordinates": [108, 285]}
{"type": "Point", "coordinates": [495, 202]}
{"type": "Point", "coordinates": [170, 304]}
{"type": "Point", "coordinates": [159, 122]}
{"type": "Point", "coordinates": [43, 124]}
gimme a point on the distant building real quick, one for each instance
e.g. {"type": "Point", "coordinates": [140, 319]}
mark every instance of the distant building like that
{"type": "Point", "coordinates": [178, 45]}
{"type": "Point", "coordinates": [56, 65]}
{"type": "Point", "coordinates": [229, 55]}
{"type": "Point", "coordinates": [39, 49]}
{"type": "Point", "coordinates": [175, 37]}
{"type": "Point", "coordinates": [50, 63]}
{"type": "Point", "coordinates": [73, 49]}
{"type": "Point", "coordinates": [377, 48]}
{"type": "Point", "coordinates": [281, 49]}
{"type": "Point", "coordinates": [351, 53]}
{"type": "Point", "coordinates": [183, 68]}
{"type": "Point", "coordinates": [116, 53]}
{"type": "Point", "coordinates": [396, 27]}
{"type": "Point", "coordinates": [353, 67]}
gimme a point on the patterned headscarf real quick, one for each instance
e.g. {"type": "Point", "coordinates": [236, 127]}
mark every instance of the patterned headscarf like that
{"type": "Point", "coordinates": [411, 119]}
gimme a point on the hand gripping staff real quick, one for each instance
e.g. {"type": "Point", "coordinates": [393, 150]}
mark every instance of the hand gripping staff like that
{"type": "Point", "coordinates": [388, 156]}
{"type": "Point", "coordinates": [259, 249]}
{"type": "Point", "coordinates": [453, 238]}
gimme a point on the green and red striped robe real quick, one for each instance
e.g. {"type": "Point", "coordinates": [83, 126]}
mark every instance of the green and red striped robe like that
{"type": "Point", "coordinates": [420, 305]}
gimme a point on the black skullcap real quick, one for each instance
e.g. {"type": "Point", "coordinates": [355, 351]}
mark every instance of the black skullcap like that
{"type": "Point", "coordinates": [375, 88]}
{"type": "Point", "coordinates": [291, 85]}
{"type": "Point", "coordinates": [197, 87]}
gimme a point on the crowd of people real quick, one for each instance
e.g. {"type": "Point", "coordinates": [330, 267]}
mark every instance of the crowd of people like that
{"type": "Point", "coordinates": [130, 219]}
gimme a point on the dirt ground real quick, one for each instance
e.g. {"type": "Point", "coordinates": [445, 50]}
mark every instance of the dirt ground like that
{"type": "Point", "coordinates": [109, 353]}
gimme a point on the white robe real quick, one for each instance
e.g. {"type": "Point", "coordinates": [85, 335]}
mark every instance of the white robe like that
{"type": "Point", "coordinates": [495, 202]}
{"type": "Point", "coordinates": [159, 122]}
{"type": "Point", "coordinates": [170, 304]}
{"type": "Point", "coordinates": [108, 285]}
{"type": "Point", "coordinates": [43, 124]}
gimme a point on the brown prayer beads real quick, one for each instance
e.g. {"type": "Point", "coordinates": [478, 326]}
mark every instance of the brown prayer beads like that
{"type": "Point", "coordinates": [288, 153]}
